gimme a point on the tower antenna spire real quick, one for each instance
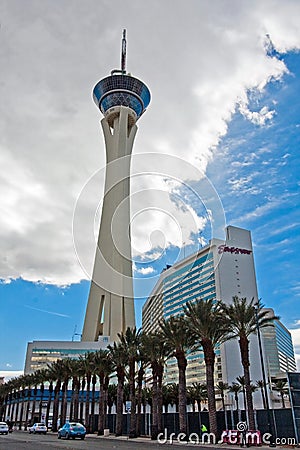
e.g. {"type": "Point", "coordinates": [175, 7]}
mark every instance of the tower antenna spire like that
{"type": "Point", "coordinates": [123, 54]}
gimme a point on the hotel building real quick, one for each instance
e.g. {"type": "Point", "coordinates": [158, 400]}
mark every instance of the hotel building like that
{"type": "Point", "coordinates": [278, 347]}
{"type": "Point", "coordinates": [219, 271]}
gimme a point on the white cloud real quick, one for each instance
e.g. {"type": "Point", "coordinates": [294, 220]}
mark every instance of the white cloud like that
{"type": "Point", "coordinates": [201, 64]}
{"type": "Point", "coordinates": [9, 374]}
{"type": "Point", "coordinates": [144, 270]}
{"type": "Point", "coordinates": [260, 117]}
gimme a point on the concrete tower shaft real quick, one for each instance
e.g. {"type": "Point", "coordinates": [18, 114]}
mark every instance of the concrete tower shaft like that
{"type": "Point", "coordinates": [122, 99]}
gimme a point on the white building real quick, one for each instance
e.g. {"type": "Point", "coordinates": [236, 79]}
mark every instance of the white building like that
{"type": "Point", "coordinates": [218, 271]}
{"type": "Point", "coordinates": [41, 353]}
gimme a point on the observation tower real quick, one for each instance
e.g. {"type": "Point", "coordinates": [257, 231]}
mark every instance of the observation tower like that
{"type": "Point", "coordinates": [122, 99]}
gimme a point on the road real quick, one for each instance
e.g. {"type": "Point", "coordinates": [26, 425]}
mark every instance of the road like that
{"type": "Point", "coordinates": [21, 440]}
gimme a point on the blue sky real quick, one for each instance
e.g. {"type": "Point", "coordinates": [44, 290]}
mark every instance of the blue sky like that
{"type": "Point", "coordinates": [229, 106]}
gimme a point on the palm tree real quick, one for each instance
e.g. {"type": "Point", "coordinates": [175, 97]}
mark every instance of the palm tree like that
{"type": "Point", "coordinates": [3, 392]}
{"type": "Point", "coordinates": [77, 373]}
{"type": "Point", "coordinates": [146, 398]}
{"type": "Point", "coordinates": [81, 397]}
{"type": "Point", "coordinates": [100, 364]}
{"type": "Point", "coordinates": [87, 363]}
{"type": "Point", "coordinates": [94, 381]}
{"type": "Point", "coordinates": [130, 341]}
{"type": "Point", "coordinates": [34, 381]}
{"type": "Point", "coordinates": [150, 344]}
{"type": "Point", "coordinates": [108, 371]}
{"type": "Point", "coordinates": [281, 387]}
{"type": "Point", "coordinates": [119, 359]}
{"type": "Point", "coordinates": [56, 372]}
{"type": "Point", "coordinates": [209, 329]}
{"type": "Point", "coordinates": [200, 393]}
{"type": "Point", "coordinates": [241, 380]}
{"type": "Point", "coordinates": [111, 396]}
{"type": "Point", "coordinates": [29, 385]}
{"type": "Point", "coordinates": [156, 350]}
{"type": "Point", "coordinates": [43, 377]}
{"type": "Point", "coordinates": [170, 395]}
{"type": "Point", "coordinates": [17, 397]}
{"type": "Point", "coordinates": [167, 397]}
{"type": "Point", "coordinates": [221, 389]}
{"type": "Point", "coordinates": [261, 385]}
{"type": "Point", "coordinates": [14, 388]}
{"type": "Point", "coordinates": [142, 360]}
{"type": "Point", "coordinates": [190, 397]}
{"type": "Point", "coordinates": [67, 367]}
{"type": "Point", "coordinates": [235, 388]}
{"type": "Point", "coordinates": [23, 384]}
{"type": "Point", "coordinates": [50, 392]}
{"type": "Point", "coordinates": [245, 317]}
{"type": "Point", "coordinates": [176, 334]}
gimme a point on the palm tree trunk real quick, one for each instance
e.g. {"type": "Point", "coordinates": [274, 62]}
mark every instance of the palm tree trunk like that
{"type": "Point", "coordinates": [27, 408]}
{"type": "Point", "coordinates": [263, 397]}
{"type": "Point", "coordinates": [56, 405]}
{"type": "Point", "coordinates": [22, 409]}
{"type": "Point", "coordinates": [244, 349]}
{"type": "Point", "coordinates": [41, 401]}
{"type": "Point", "coordinates": [17, 407]}
{"type": "Point", "coordinates": [223, 400]}
{"type": "Point", "coordinates": [82, 399]}
{"type": "Point", "coordinates": [12, 410]}
{"type": "Point", "coordinates": [13, 407]}
{"type": "Point", "coordinates": [105, 400]}
{"type": "Point", "coordinates": [101, 407]}
{"type": "Point", "coordinates": [211, 402]}
{"type": "Point", "coordinates": [94, 380]}
{"type": "Point", "coordinates": [282, 399]}
{"type": "Point", "coordinates": [141, 373]}
{"type": "Point", "coordinates": [87, 403]}
{"type": "Point", "coordinates": [209, 357]}
{"type": "Point", "coordinates": [120, 394]}
{"type": "Point", "coordinates": [64, 402]}
{"type": "Point", "coordinates": [236, 398]}
{"type": "Point", "coordinates": [72, 400]}
{"type": "Point", "coordinates": [132, 428]}
{"type": "Point", "coordinates": [76, 399]}
{"type": "Point", "coordinates": [154, 406]}
{"type": "Point", "coordinates": [160, 373]}
{"type": "Point", "coordinates": [182, 364]}
{"type": "Point", "coordinates": [50, 390]}
{"type": "Point", "coordinates": [9, 405]}
{"type": "Point", "coordinates": [244, 397]}
{"type": "Point", "coordinates": [34, 402]}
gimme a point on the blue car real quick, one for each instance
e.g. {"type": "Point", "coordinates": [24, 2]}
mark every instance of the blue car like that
{"type": "Point", "coordinates": [72, 430]}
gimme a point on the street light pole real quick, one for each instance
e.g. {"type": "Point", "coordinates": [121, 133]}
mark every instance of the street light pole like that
{"type": "Point", "coordinates": [270, 418]}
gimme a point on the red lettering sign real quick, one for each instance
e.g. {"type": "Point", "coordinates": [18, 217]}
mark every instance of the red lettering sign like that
{"type": "Point", "coordinates": [237, 251]}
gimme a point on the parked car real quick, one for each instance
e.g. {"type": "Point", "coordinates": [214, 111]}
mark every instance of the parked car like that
{"type": "Point", "coordinates": [72, 430]}
{"type": "Point", "coordinates": [4, 429]}
{"type": "Point", "coordinates": [38, 428]}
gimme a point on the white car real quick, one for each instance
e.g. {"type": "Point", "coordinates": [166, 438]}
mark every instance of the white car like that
{"type": "Point", "coordinates": [4, 428]}
{"type": "Point", "coordinates": [38, 428]}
